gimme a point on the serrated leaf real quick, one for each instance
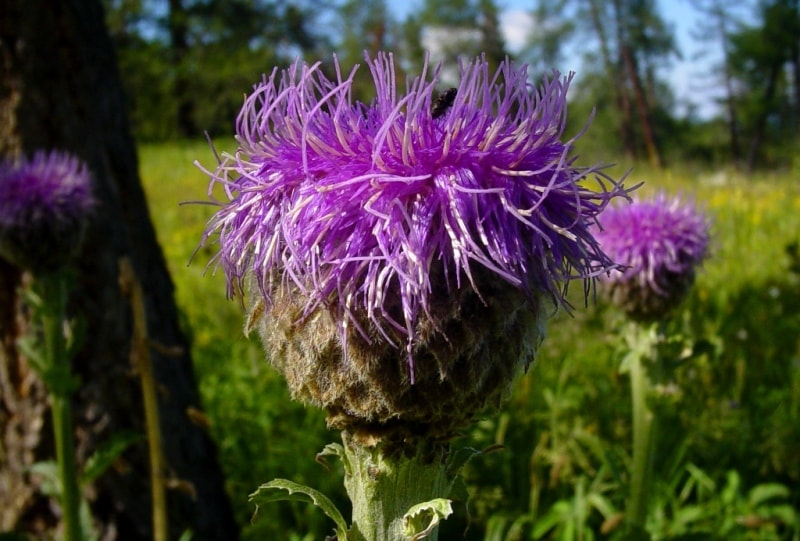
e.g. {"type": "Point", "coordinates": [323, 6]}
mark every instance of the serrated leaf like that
{"type": "Point", "coordinates": [337, 450]}
{"type": "Point", "coordinates": [422, 519]}
{"type": "Point", "coordinates": [333, 449]}
{"type": "Point", "coordinates": [285, 490]}
{"type": "Point", "coordinates": [106, 454]}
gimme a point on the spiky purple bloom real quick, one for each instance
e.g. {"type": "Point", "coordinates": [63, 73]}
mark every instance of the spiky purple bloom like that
{"type": "Point", "coordinates": [347, 200]}
{"type": "Point", "coordinates": [383, 214]}
{"type": "Point", "coordinates": [45, 203]}
{"type": "Point", "coordinates": [658, 244]}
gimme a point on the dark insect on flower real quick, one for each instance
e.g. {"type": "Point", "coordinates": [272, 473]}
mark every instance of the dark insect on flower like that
{"type": "Point", "coordinates": [443, 102]}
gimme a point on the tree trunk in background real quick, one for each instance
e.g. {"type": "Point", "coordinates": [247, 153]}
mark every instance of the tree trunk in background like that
{"type": "Point", "coordinates": [59, 88]}
{"type": "Point", "coordinates": [630, 68]}
{"type": "Point", "coordinates": [642, 106]}
{"type": "Point", "coordinates": [719, 13]}
{"type": "Point", "coordinates": [618, 77]}
{"type": "Point", "coordinates": [794, 61]}
{"type": "Point", "coordinates": [761, 120]}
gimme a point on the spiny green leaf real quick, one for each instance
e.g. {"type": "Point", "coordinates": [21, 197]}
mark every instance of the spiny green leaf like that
{"type": "Point", "coordinates": [285, 490]}
{"type": "Point", "coordinates": [422, 519]}
{"type": "Point", "coordinates": [337, 450]}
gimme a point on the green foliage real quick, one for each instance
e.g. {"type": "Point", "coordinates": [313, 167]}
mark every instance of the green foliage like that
{"type": "Point", "coordinates": [283, 489]}
{"type": "Point", "coordinates": [185, 66]}
{"type": "Point", "coordinates": [729, 455]}
{"type": "Point", "coordinates": [764, 63]}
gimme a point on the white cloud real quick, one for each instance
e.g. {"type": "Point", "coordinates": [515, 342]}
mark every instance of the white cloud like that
{"type": "Point", "coordinates": [516, 25]}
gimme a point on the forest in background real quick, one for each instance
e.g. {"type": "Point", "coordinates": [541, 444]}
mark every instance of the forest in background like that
{"type": "Point", "coordinates": [185, 65]}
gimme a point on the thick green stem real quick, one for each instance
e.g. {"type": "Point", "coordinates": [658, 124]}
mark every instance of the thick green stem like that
{"type": "Point", "coordinates": [643, 432]}
{"type": "Point", "coordinates": [383, 486]}
{"type": "Point", "coordinates": [58, 379]}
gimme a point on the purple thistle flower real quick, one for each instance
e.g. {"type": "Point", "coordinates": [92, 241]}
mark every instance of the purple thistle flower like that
{"type": "Point", "coordinates": [44, 206]}
{"type": "Point", "coordinates": [353, 203]}
{"type": "Point", "coordinates": [441, 224]}
{"type": "Point", "coordinates": [658, 244]}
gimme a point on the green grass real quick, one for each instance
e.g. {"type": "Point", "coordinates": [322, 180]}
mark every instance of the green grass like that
{"type": "Point", "coordinates": [733, 425]}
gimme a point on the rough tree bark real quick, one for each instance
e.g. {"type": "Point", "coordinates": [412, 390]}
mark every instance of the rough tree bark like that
{"type": "Point", "coordinates": [59, 88]}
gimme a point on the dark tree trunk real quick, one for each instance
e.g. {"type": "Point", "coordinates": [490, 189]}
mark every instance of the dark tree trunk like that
{"type": "Point", "coordinates": [630, 68]}
{"type": "Point", "coordinates": [642, 106]}
{"type": "Point", "coordinates": [761, 121]}
{"type": "Point", "coordinates": [730, 98]}
{"type": "Point", "coordinates": [794, 61]}
{"type": "Point", "coordinates": [59, 88]}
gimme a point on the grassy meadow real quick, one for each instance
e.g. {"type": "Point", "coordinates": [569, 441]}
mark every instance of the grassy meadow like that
{"type": "Point", "coordinates": [728, 456]}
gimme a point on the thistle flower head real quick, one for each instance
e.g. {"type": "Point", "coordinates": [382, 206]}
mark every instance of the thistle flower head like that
{"type": "Point", "coordinates": [44, 207]}
{"type": "Point", "coordinates": [658, 244]}
{"type": "Point", "coordinates": [377, 213]}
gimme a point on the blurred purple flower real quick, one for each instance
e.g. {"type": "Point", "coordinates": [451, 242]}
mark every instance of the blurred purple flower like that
{"type": "Point", "coordinates": [366, 207]}
{"type": "Point", "coordinates": [658, 244]}
{"type": "Point", "coordinates": [44, 206]}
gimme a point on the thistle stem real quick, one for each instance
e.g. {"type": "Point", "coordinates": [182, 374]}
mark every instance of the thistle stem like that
{"type": "Point", "coordinates": [57, 376]}
{"type": "Point", "coordinates": [383, 486]}
{"type": "Point", "coordinates": [644, 431]}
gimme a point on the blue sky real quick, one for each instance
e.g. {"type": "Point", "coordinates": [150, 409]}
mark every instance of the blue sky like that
{"type": "Point", "coordinates": [685, 75]}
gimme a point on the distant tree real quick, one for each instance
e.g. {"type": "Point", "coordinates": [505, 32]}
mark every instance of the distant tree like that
{"type": "Point", "coordinates": [716, 26]}
{"type": "Point", "coordinates": [640, 41]}
{"type": "Point", "coordinates": [492, 41]}
{"type": "Point", "coordinates": [178, 26]}
{"type": "Point", "coordinates": [60, 89]}
{"type": "Point", "coordinates": [764, 63]}
{"type": "Point", "coordinates": [625, 43]}
{"type": "Point", "coordinates": [554, 25]}
{"type": "Point", "coordinates": [452, 30]}
{"type": "Point", "coordinates": [186, 63]}
{"type": "Point", "coordinates": [364, 27]}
